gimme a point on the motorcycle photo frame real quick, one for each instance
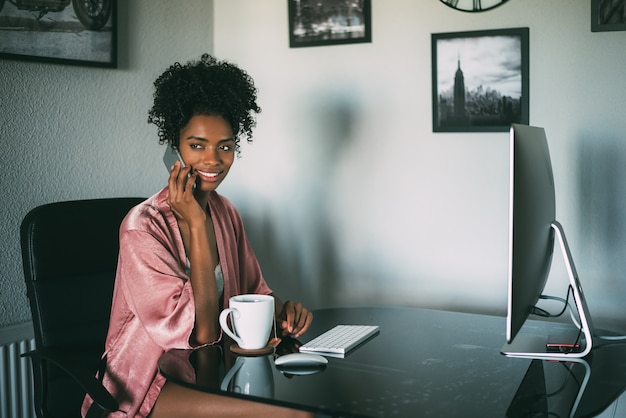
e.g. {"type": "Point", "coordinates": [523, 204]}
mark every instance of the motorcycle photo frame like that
{"type": "Point", "coordinates": [74, 32]}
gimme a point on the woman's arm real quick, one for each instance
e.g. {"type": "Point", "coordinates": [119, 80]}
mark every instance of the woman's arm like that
{"type": "Point", "coordinates": [193, 223]}
{"type": "Point", "coordinates": [204, 286]}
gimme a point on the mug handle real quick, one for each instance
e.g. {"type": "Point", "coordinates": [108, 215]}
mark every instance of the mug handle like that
{"type": "Point", "coordinates": [231, 373]}
{"type": "Point", "coordinates": [224, 324]}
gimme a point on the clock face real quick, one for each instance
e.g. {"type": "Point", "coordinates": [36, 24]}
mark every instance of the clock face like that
{"type": "Point", "coordinates": [473, 5]}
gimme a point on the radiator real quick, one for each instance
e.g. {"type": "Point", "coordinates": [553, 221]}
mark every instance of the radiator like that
{"type": "Point", "coordinates": [16, 381]}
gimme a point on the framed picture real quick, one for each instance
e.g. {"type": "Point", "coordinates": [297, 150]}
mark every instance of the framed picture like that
{"type": "Point", "coordinates": [608, 15]}
{"type": "Point", "coordinates": [329, 22]}
{"type": "Point", "coordinates": [76, 32]}
{"type": "Point", "coordinates": [479, 80]}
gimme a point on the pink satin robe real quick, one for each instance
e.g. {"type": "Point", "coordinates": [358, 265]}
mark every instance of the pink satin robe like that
{"type": "Point", "coordinates": [153, 305]}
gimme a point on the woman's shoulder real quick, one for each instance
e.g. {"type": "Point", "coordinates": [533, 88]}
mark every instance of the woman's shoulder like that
{"type": "Point", "coordinates": [151, 212]}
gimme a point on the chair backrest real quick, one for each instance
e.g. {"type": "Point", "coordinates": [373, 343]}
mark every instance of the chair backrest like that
{"type": "Point", "coordinates": [69, 254]}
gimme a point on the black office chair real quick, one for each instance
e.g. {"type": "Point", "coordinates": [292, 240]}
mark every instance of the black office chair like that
{"type": "Point", "coordinates": [69, 253]}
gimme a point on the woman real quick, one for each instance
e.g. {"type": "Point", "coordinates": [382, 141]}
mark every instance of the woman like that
{"type": "Point", "coordinates": [184, 251]}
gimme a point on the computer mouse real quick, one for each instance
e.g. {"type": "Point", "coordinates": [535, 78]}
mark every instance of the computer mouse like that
{"type": "Point", "coordinates": [301, 360]}
{"type": "Point", "coordinates": [300, 364]}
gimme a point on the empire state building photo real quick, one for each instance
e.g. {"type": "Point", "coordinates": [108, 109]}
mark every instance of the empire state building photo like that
{"type": "Point", "coordinates": [479, 83]}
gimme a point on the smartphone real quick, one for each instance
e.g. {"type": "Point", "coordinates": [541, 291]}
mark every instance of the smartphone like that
{"type": "Point", "coordinates": [170, 157]}
{"type": "Point", "coordinates": [563, 348]}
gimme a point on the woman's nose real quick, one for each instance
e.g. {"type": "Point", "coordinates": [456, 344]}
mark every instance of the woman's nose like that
{"type": "Point", "coordinates": [211, 156]}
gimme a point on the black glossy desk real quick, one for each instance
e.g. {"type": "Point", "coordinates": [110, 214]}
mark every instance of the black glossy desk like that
{"type": "Point", "coordinates": [422, 363]}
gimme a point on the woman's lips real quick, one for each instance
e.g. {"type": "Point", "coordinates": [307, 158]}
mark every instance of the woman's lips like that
{"type": "Point", "coordinates": [206, 176]}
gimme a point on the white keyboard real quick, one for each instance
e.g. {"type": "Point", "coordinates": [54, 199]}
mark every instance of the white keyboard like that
{"type": "Point", "coordinates": [340, 339]}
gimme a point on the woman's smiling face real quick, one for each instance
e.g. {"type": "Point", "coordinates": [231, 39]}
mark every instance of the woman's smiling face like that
{"type": "Point", "coordinates": [208, 146]}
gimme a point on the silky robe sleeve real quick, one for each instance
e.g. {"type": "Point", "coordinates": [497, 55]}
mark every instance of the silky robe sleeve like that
{"type": "Point", "coordinates": [157, 288]}
{"type": "Point", "coordinates": [254, 281]}
{"type": "Point", "coordinates": [242, 272]}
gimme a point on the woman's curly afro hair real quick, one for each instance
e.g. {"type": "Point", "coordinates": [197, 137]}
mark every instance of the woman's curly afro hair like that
{"type": "Point", "coordinates": [203, 87]}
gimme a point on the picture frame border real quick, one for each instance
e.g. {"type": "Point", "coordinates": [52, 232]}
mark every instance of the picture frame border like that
{"type": "Point", "coordinates": [112, 63]}
{"type": "Point", "coordinates": [523, 34]}
{"type": "Point", "coordinates": [366, 38]}
{"type": "Point", "coordinates": [596, 26]}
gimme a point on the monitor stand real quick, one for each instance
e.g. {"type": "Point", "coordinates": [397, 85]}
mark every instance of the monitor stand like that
{"type": "Point", "coordinates": [534, 346]}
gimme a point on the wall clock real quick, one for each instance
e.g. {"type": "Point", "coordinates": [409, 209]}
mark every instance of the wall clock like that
{"type": "Point", "coordinates": [473, 5]}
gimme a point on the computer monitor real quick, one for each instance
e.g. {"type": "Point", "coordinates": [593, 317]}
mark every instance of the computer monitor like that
{"type": "Point", "coordinates": [533, 232]}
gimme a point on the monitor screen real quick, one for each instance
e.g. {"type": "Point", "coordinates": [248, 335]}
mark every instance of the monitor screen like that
{"type": "Point", "coordinates": [532, 212]}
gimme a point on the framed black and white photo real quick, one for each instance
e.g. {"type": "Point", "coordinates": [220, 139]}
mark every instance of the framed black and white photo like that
{"type": "Point", "coordinates": [329, 22]}
{"type": "Point", "coordinates": [75, 32]}
{"type": "Point", "coordinates": [479, 80]}
{"type": "Point", "coordinates": [608, 15]}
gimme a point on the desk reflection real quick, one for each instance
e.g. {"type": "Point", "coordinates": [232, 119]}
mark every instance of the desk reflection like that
{"type": "Point", "coordinates": [581, 388]}
{"type": "Point", "coordinates": [449, 364]}
{"type": "Point", "coordinates": [550, 389]}
{"type": "Point", "coordinates": [216, 368]}
{"type": "Point", "coordinates": [576, 388]}
{"type": "Point", "coordinates": [250, 376]}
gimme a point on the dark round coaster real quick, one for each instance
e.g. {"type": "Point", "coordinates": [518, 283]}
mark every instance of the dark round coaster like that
{"type": "Point", "coordinates": [268, 349]}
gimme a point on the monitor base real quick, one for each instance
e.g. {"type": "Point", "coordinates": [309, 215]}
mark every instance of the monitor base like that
{"type": "Point", "coordinates": [537, 347]}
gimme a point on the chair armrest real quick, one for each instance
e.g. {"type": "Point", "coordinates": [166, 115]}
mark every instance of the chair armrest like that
{"type": "Point", "coordinates": [81, 375]}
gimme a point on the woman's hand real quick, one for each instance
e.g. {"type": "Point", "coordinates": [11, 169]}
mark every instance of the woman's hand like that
{"type": "Point", "coordinates": [294, 319]}
{"type": "Point", "coordinates": [181, 199]}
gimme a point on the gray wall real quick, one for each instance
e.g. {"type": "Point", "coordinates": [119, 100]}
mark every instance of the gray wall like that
{"type": "Point", "coordinates": [348, 195]}
{"type": "Point", "coordinates": [76, 132]}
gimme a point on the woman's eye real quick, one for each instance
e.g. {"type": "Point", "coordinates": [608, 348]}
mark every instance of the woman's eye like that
{"type": "Point", "coordinates": [195, 146]}
{"type": "Point", "coordinates": [226, 147]}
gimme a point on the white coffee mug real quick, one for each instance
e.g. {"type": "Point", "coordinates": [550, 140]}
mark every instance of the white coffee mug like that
{"type": "Point", "coordinates": [251, 317]}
